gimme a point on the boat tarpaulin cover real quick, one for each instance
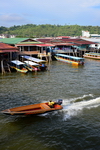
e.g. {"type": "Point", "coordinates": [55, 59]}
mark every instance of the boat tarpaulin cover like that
{"type": "Point", "coordinates": [17, 62]}
{"type": "Point", "coordinates": [33, 59]}
{"type": "Point", "coordinates": [31, 63]}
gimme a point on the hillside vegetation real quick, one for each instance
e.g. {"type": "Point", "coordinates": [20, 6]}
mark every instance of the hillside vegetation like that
{"type": "Point", "coordinates": [32, 30]}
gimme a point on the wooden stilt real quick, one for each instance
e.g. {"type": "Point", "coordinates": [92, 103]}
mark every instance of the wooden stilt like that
{"type": "Point", "coordinates": [8, 68]}
{"type": "Point", "coordinates": [46, 58]}
{"type": "Point", "coordinates": [49, 60]}
{"type": "Point", "coordinates": [2, 68]}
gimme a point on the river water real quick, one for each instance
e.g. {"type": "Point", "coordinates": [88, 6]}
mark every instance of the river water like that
{"type": "Point", "coordinates": [75, 127]}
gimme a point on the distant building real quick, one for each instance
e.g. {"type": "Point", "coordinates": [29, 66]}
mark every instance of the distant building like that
{"type": "Point", "coordinates": [85, 34]}
{"type": "Point", "coordinates": [3, 36]}
{"type": "Point", "coordinates": [12, 36]}
{"type": "Point", "coordinates": [7, 36]}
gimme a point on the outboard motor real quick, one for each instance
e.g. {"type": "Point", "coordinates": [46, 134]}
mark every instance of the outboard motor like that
{"type": "Point", "coordinates": [59, 102]}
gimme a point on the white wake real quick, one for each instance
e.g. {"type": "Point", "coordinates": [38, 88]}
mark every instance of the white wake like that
{"type": "Point", "coordinates": [72, 107]}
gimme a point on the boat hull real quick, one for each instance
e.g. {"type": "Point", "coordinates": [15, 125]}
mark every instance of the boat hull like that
{"type": "Point", "coordinates": [32, 109]}
{"type": "Point", "coordinates": [92, 57]}
{"type": "Point", "coordinates": [23, 70]}
{"type": "Point", "coordinates": [18, 66]}
{"type": "Point", "coordinates": [31, 66]}
{"type": "Point", "coordinates": [32, 69]}
{"type": "Point", "coordinates": [69, 61]}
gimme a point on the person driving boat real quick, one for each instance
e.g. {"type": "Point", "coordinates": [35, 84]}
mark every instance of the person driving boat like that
{"type": "Point", "coordinates": [51, 103]}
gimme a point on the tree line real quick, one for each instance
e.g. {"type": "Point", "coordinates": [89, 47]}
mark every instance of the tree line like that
{"type": "Point", "coordinates": [48, 30]}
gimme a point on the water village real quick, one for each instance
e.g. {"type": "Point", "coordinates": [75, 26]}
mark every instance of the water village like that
{"type": "Point", "coordinates": [28, 54]}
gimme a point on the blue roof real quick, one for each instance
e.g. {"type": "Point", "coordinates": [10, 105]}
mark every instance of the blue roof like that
{"type": "Point", "coordinates": [71, 57]}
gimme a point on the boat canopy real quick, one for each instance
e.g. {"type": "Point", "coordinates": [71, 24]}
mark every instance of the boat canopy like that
{"type": "Point", "coordinates": [70, 57]}
{"type": "Point", "coordinates": [31, 63]}
{"type": "Point", "coordinates": [33, 59]}
{"type": "Point", "coordinates": [17, 62]}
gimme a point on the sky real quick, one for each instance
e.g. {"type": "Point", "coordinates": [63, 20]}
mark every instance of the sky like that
{"type": "Point", "coordinates": [55, 12]}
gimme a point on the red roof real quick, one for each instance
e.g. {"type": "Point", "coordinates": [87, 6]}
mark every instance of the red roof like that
{"type": "Point", "coordinates": [41, 45]}
{"type": "Point", "coordinates": [66, 40]}
{"type": "Point", "coordinates": [62, 37]}
{"type": "Point", "coordinates": [77, 41]}
{"type": "Point", "coordinates": [64, 44]}
{"type": "Point", "coordinates": [7, 48]}
{"type": "Point", "coordinates": [44, 45]}
{"type": "Point", "coordinates": [44, 40]}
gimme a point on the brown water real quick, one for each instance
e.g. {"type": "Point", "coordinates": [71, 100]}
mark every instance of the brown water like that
{"type": "Point", "coordinates": [76, 127]}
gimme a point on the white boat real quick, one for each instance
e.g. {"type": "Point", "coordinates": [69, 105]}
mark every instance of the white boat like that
{"type": "Point", "coordinates": [18, 66]}
{"type": "Point", "coordinates": [32, 66]}
{"type": "Point", "coordinates": [92, 55]}
{"type": "Point", "coordinates": [36, 60]}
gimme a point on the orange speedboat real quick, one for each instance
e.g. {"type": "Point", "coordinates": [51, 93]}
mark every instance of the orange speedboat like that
{"type": "Point", "coordinates": [33, 109]}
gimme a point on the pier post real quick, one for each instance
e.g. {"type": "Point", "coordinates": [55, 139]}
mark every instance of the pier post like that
{"type": "Point", "coordinates": [2, 67]}
{"type": "Point", "coordinates": [8, 68]}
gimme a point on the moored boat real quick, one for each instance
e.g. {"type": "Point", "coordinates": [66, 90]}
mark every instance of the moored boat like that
{"type": "Point", "coordinates": [70, 59]}
{"type": "Point", "coordinates": [32, 66]}
{"type": "Point", "coordinates": [36, 60]}
{"type": "Point", "coordinates": [33, 109]}
{"type": "Point", "coordinates": [18, 66]}
{"type": "Point", "coordinates": [92, 55]}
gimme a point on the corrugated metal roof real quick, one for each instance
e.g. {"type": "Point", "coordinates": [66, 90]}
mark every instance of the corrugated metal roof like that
{"type": "Point", "coordinates": [44, 40]}
{"type": "Point", "coordinates": [62, 37]}
{"type": "Point", "coordinates": [63, 44]}
{"type": "Point", "coordinates": [28, 43]}
{"type": "Point", "coordinates": [44, 45]}
{"type": "Point", "coordinates": [7, 51]}
{"type": "Point", "coordinates": [7, 48]}
{"type": "Point", "coordinates": [12, 40]}
{"type": "Point", "coordinates": [34, 44]}
{"type": "Point", "coordinates": [66, 40]}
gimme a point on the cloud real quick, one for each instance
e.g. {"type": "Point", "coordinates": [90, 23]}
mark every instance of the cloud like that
{"type": "Point", "coordinates": [12, 19]}
{"type": "Point", "coordinates": [49, 12]}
